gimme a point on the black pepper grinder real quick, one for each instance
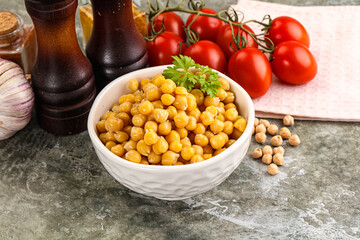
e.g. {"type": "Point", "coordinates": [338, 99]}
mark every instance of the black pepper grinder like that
{"type": "Point", "coordinates": [62, 76]}
{"type": "Point", "coordinates": [115, 46]}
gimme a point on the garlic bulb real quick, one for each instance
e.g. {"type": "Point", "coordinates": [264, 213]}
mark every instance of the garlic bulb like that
{"type": "Point", "coordinates": [16, 99]}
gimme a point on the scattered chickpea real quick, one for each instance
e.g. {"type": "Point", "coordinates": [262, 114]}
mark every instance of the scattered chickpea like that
{"type": "Point", "coordinates": [260, 128]}
{"type": "Point", "coordinates": [280, 150]}
{"type": "Point", "coordinates": [294, 140]}
{"type": "Point", "coordinates": [278, 159]}
{"type": "Point", "coordinates": [276, 140]}
{"type": "Point", "coordinates": [273, 169]}
{"type": "Point", "coordinates": [288, 120]}
{"type": "Point", "coordinates": [273, 129]}
{"type": "Point", "coordinates": [265, 122]}
{"type": "Point", "coordinates": [285, 133]}
{"type": "Point", "coordinates": [260, 137]}
{"type": "Point", "coordinates": [257, 153]}
{"type": "Point", "coordinates": [256, 122]}
{"type": "Point", "coordinates": [266, 158]}
{"type": "Point", "coordinates": [267, 149]}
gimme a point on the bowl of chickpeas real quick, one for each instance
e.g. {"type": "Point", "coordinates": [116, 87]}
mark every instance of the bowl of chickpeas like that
{"type": "Point", "coordinates": [167, 142]}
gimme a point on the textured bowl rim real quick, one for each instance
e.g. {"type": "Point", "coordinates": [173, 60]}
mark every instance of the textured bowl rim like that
{"type": "Point", "coordinates": [96, 141]}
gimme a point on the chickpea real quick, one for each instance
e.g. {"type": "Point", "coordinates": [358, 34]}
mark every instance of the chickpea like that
{"type": "Point", "coordinates": [180, 102]}
{"type": "Point", "coordinates": [273, 129]}
{"type": "Point", "coordinates": [191, 124]}
{"type": "Point", "coordinates": [168, 86]}
{"type": "Point", "coordinates": [133, 84]}
{"type": "Point", "coordinates": [153, 93]}
{"type": "Point", "coordinates": [113, 124]}
{"type": "Point", "coordinates": [278, 159]}
{"type": "Point", "coordinates": [266, 158]}
{"type": "Point", "coordinates": [173, 136]}
{"type": "Point", "coordinates": [208, 149]}
{"type": "Point", "coordinates": [200, 128]}
{"type": "Point", "coordinates": [160, 115]}
{"type": "Point", "coordinates": [260, 128]}
{"type": "Point", "coordinates": [221, 116]}
{"type": "Point", "coordinates": [109, 136]}
{"type": "Point", "coordinates": [229, 143]}
{"type": "Point", "coordinates": [229, 105]}
{"type": "Point", "coordinates": [217, 141]}
{"type": "Point", "coordinates": [207, 118]}
{"type": "Point", "coordinates": [209, 101]}
{"type": "Point", "coordinates": [187, 153]}
{"type": "Point", "coordinates": [146, 107]}
{"type": "Point", "coordinates": [230, 98]}
{"type": "Point", "coordinates": [100, 126]}
{"type": "Point", "coordinates": [102, 137]}
{"type": "Point", "coordinates": [143, 148]}
{"type": "Point", "coordinates": [199, 96]}
{"type": "Point", "coordinates": [195, 113]}
{"type": "Point", "coordinates": [196, 158]}
{"type": "Point", "coordinates": [294, 140]}
{"type": "Point", "coordinates": [167, 99]}
{"type": "Point", "coordinates": [137, 133]}
{"type": "Point", "coordinates": [207, 156]}
{"type": "Point", "coordinates": [265, 122]}
{"type": "Point", "coordinates": [154, 158]}
{"type": "Point", "coordinates": [228, 127]}
{"type": "Point", "coordinates": [224, 83]}
{"type": "Point", "coordinates": [217, 126]}
{"type": "Point", "coordinates": [209, 134]}
{"type": "Point", "coordinates": [110, 144]}
{"type": "Point", "coordinates": [201, 140]}
{"type": "Point", "coordinates": [181, 119]}
{"type": "Point", "coordinates": [133, 156]}
{"type": "Point", "coordinates": [161, 146]}
{"type": "Point", "coordinates": [222, 94]}
{"type": "Point", "coordinates": [121, 136]}
{"type": "Point", "coordinates": [217, 152]}
{"type": "Point", "coordinates": [276, 140]}
{"type": "Point", "coordinates": [164, 128]}
{"type": "Point", "coordinates": [135, 109]}
{"type": "Point", "coordinates": [181, 90]}
{"type": "Point", "coordinates": [158, 80]}
{"type": "Point", "coordinates": [257, 153]}
{"type": "Point", "coordinates": [139, 96]}
{"type": "Point", "coordinates": [144, 161]}
{"type": "Point", "coordinates": [150, 137]}
{"type": "Point", "coordinates": [106, 115]}
{"type": "Point", "coordinates": [280, 150]}
{"type": "Point", "coordinates": [169, 158]}
{"type": "Point", "coordinates": [139, 120]}
{"type": "Point", "coordinates": [267, 149]}
{"type": "Point", "coordinates": [240, 124]}
{"type": "Point", "coordinates": [198, 149]}
{"type": "Point", "coordinates": [118, 150]}
{"type": "Point", "coordinates": [213, 110]}
{"type": "Point", "coordinates": [273, 169]}
{"type": "Point", "coordinates": [288, 120]}
{"type": "Point", "coordinates": [124, 117]}
{"type": "Point", "coordinates": [191, 100]}
{"type": "Point", "coordinates": [127, 98]}
{"type": "Point", "coordinates": [236, 134]}
{"type": "Point", "coordinates": [143, 82]}
{"type": "Point", "coordinates": [130, 145]}
{"type": "Point", "coordinates": [151, 125]}
{"type": "Point", "coordinates": [231, 114]}
{"type": "Point", "coordinates": [158, 104]}
{"type": "Point", "coordinates": [260, 138]}
{"type": "Point", "coordinates": [172, 112]}
{"type": "Point", "coordinates": [285, 133]}
{"type": "Point", "coordinates": [175, 147]}
{"type": "Point", "coordinates": [256, 122]}
{"type": "Point", "coordinates": [185, 142]}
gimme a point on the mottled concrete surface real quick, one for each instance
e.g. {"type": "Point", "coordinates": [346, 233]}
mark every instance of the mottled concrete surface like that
{"type": "Point", "coordinates": [56, 188]}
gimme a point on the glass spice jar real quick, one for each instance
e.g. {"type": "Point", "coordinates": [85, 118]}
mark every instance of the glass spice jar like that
{"type": "Point", "coordinates": [17, 41]}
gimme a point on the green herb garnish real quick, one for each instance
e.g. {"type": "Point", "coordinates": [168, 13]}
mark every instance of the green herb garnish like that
{"type": "Point", "coordinates": [181, 75]}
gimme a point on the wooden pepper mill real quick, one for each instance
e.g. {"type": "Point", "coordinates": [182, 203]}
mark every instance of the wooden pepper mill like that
{"type": "Point", "coordinates": [62, 76]}
{"type": "Point", "coordinates": [115, 46]}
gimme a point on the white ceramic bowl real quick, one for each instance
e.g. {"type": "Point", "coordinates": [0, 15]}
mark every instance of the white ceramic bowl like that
{"type": "Point", "coordinates": [168, 182]}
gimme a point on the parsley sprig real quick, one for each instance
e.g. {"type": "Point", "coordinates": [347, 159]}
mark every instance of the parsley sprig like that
{"type": "Point", "coordinates": [181, 75]}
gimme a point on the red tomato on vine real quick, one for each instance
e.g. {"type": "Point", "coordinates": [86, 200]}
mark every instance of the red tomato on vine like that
{"type": "Point", "coordinates": [206, 27]}
{"type": "Point", "coordinates": [250, 68]}
{"type": "Point", "coordinates": [172, 23]}
{"type": "Point", "coordinates": [225, 39]}
{"type": "Point", "coordinates": [207, 53]}
{"type": "Point", "coordinates": [293, 63]}
{"type": "Point", "coordinates": [163, 47]}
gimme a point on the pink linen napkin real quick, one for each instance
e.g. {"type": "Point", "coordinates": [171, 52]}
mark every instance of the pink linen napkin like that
{"type": "Point", "coordinates": [334, 94]}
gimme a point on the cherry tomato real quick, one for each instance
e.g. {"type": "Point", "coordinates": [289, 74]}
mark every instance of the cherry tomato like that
{"type": "Point", "coordinates": [172, 23]}
{"type": "Point", "coordinates": [206, 27]}
{"type": "Point", "coordinates": [224, 39]}
{"type": "Point", "coordinates": [286, 29]}
{"type": "Point", "coordinates": [293, 63]}
{"type": "Point", "coordinates": [250, 68]}
{"type": "Point", "coordinates": [163, 47]}
{"type": "Point", "coordinates": [207, 53]}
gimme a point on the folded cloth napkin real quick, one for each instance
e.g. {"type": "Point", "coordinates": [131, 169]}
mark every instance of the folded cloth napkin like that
{"type": "Point", "coordinates": [334, 94]}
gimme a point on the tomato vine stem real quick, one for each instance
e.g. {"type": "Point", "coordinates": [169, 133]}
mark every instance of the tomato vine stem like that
{"type": "Point", "coordinates": [231, 18]}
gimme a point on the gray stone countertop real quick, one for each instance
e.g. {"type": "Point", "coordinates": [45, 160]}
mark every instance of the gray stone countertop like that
{"type": "Point", "coordinates": [54, 187]}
